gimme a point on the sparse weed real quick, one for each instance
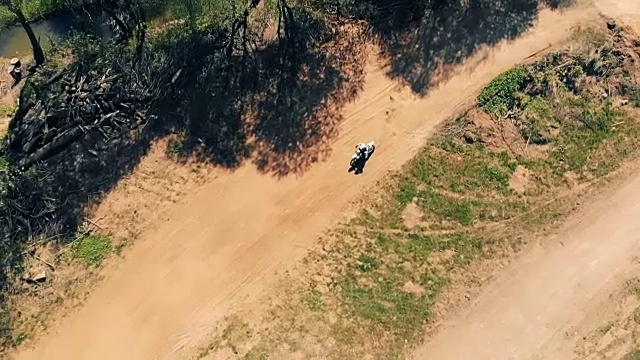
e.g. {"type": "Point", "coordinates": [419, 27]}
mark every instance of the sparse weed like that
{"type": "Point", "coordinates": [92, 249]}
{"type": "Point", "coordinates": [7, 110]}
{"type": "Point", "coordinates": [177, 148]}
{"type": "Point", "coordinates": [314, 300]}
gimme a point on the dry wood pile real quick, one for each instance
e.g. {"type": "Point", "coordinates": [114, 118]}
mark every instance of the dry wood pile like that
{"type": "Point", "coordinates": [75, 101]}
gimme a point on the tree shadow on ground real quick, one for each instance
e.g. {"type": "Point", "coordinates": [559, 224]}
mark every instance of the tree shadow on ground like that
{"type": "Point", "coordinates": [296, 116]}
{"type": "Point", "coordinates": [425, 40]}
{"type": "Point", "coordinates": [277, 106]}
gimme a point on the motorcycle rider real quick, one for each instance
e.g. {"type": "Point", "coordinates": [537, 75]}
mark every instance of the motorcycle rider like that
{"type": "Point", "coordinates": [362, 149]}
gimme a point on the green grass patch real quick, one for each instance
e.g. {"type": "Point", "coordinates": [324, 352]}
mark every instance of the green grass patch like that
{"type": "Point", "coordinates": [456, 182]}
{"type": "Point", "coordinates": [633, 355]}
{"type": "Point", "coordinates": [235, 333]}
{"type": "Point", "coordinates": [6, 110]}
{"type": "Point", "coordinates": [178, 148]}
{"type": "Point", "coordinates": [631, 90]}
{"type": "Point", "coordinates": [500, 94]}
{"type": "Point", "coordinates": [385, 305]}
{"type": "Point", "coordinates": [92, 249]}
{"type": "Point", "coordinates": [634, 287]}
{"type": "Point", "coordinates": [389, 285]}
{"type": "Point", "coordinates": [580, 139]}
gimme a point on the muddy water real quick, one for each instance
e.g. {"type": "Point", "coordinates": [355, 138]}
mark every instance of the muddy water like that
{"type": "Point", "coordinates": [15, 43]}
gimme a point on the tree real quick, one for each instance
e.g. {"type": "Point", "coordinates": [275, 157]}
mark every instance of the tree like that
{"type": "Point", "coordinates": [15, 7]}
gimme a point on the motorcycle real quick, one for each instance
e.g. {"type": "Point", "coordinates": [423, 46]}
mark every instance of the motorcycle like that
{"type": "Point", "coordinates": [360, 157]}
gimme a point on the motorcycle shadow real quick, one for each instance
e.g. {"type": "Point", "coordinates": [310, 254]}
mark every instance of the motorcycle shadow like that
{"type": "Point", "coordinates": [358, 167]}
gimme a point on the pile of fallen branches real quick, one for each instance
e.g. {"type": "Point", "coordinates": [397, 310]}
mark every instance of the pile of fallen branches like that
{"type": "Point", "coordinates": [103, 96]}
{"type": "Point", "coordinates": [25, 208]}
{"type": "Point", "coordinates": [110, 95]}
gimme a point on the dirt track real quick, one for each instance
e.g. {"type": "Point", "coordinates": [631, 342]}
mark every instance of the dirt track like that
{"type": "Point", "coordinates": [540, 307]}
{"type": "Point", "coordinates": [223, 247]}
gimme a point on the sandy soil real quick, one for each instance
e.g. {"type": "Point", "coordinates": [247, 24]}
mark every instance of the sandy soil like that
{"type": "Point", "coordinates": [540, 306]}
{"type": "Point", "coordinates": [225, 245]}
{"type": "Point", "coordinates": [543, 306]}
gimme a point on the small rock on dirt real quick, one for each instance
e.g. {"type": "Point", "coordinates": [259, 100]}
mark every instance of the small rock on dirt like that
{"type": "Point", "coordinates": [36, 276]}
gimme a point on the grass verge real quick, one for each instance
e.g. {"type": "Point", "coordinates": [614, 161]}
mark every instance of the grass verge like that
{"type": "Point", "coordinates": [475, 192]}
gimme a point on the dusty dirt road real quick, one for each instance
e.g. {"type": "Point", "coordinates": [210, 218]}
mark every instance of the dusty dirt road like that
{"type": "Point", "coordinates": [224, 246]}
{"type": "Point", "coordinates": [545, 303]}
{"type": "Point", "coordinates": [541, 306]}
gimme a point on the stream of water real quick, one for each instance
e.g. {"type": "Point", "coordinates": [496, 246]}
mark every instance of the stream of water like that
{"type": "Point", "coordinates": [15, 43]}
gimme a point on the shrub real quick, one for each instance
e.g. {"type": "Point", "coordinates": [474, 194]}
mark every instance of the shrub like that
{"type": "Point", "coordinates": [500, 95]}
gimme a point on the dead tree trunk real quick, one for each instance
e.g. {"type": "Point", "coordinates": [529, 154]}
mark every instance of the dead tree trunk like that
{"type": "Point", "coordinates": [38, 53]}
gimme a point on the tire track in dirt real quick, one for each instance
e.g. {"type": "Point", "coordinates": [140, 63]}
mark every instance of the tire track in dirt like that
{"type": "Point", "coordinates": [224, 246]}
